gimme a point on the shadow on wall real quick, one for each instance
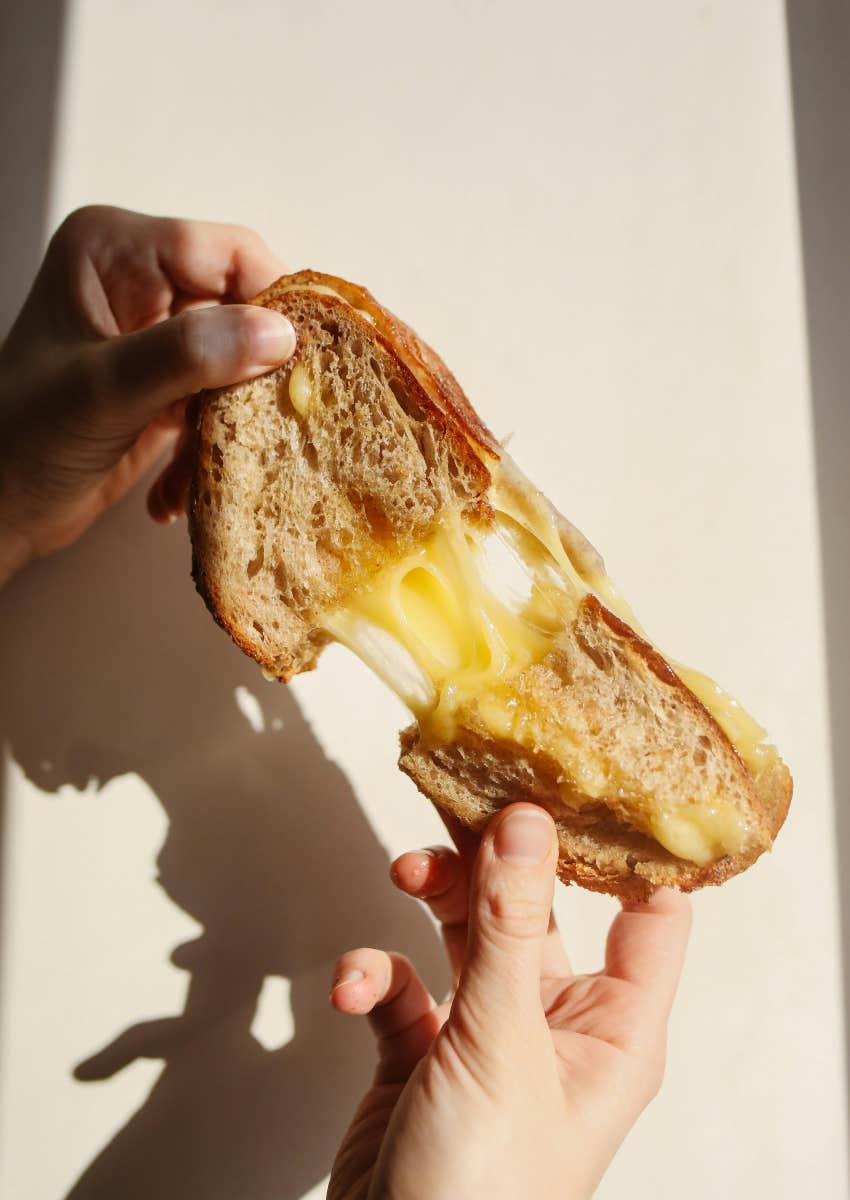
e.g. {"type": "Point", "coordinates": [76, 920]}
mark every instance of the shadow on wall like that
{"type": "Point", "coordinates": [819, 47]}
{"type": "Point", "coordinates": [30, 49]}
{"type": "Point", "coordinates": [117, 668]}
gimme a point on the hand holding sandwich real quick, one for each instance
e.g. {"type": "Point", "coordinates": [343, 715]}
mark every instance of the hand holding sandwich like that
{"type": "Point", "coordinates": [128, 315]}
{"type": "Point", "coordinates": [529, 1081]}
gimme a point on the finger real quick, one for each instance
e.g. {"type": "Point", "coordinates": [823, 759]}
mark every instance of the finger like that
{"type": "Point", "coordinates": [509, 907]}
{"type": "Point", "coordinates": [401, 1010]}
{"type": "Point", "coordinates": [383, 985]}
{"type": "Point", "coordinates": [149, 446]}
{"type": "Point", "coordinates": [646, 945]}
{"type": "Point", "coordinates": [204, 258]}
{"type": "Point", "coordinates": [168, 495]}
{"type": "Point", "coordinates": [438, 877]}
{"type": "Point", "coordinates": [138, 375]}
{"type": "Point", "coordinates": [183, 303]}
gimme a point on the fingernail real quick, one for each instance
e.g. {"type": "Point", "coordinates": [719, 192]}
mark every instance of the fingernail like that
{"type": "Point", "coordinates": [524, 838]}
{"type": "Point", "coordinates": [350, 975]}
{"type": "Point", "coordinates": [424, 858]}
{"type": "Point", "coordinates": [272, 338]}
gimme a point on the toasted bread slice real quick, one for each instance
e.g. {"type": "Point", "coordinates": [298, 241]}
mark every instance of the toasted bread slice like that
{"type": "Point", "coordinates": [355, 495]}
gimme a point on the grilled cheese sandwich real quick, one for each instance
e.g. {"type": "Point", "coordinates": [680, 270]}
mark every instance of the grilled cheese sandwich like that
{"type": "Point", "coordinates": [492, 619]}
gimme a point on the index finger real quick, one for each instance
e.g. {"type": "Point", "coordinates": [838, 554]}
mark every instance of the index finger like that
{"type": "Point", "coordinates": [203, 258]}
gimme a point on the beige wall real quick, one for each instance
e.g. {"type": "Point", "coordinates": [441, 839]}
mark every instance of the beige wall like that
{"type": "Point", "coordinates": [590, 210]}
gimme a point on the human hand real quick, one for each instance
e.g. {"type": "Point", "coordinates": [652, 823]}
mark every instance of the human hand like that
{"type": "Point", "coordinates": [526, 1084]}
{"type": "Point", "coordinates": [128, 315]}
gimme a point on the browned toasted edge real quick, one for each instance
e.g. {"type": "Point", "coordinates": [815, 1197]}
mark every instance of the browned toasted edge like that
{"type": "Point", "coordinates": [769, 796]}
{"type": "Point", "coordinates": [441, 401]}
{"type": "Point", "coordinates": [420, 358]}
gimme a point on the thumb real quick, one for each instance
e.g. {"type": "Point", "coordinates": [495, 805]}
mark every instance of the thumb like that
{"type": "Point", "coordinates": [509, 907]}
{"type": "Point", "coordinates": [139, 374]}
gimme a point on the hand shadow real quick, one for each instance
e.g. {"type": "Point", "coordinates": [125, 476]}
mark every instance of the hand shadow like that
{"type": "Point", "coordinates": [117, 668]}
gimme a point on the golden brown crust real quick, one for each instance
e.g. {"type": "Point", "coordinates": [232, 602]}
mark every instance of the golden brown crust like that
{"type": "Point", "coordinates": [423, 362]}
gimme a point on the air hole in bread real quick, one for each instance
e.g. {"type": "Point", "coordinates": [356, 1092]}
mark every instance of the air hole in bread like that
{"type": "Point", "coordinates": [375, 368]}
{"type": "Point", "coordinates": [311, 455]}
{"type": "Point", "coordinates": [699, 756]}
{"type": "Point", "coordinates": [325, 542]}
{"type": "Point", "coordinates": [332, 328]}
{"type": "Point", "coordinates": [378, 521]}
{"type": "Point", "coordinates": [217, 456]}
{"type": "Point", "coordinates": [256, 562]}
{"type": "Point", "coordinates": [259, 629]}
{"type": "Point", "coordinates": [400, 392]}
{"type": "Point", "coordinates": [427, 445]}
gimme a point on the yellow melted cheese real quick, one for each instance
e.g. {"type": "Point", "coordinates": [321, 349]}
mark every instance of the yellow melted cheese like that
{"type": "Point", "coordinates": [434, 628]}
{"type": "Point", "coordinates": [301, 389]}
{"type": "Point", "coordinates": [456, 637]}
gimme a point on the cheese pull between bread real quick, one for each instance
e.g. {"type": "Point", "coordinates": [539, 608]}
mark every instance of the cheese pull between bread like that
{"type": "Point", "coordinates": [354, 496]}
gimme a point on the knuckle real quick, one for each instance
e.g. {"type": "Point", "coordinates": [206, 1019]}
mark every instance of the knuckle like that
{"type": "Point", "coordinates": [247, 237]}
{"type": "Point", "coordinates": [513, 917]}
{"type": "Point", "coordinates": [79, 226]}
{"type": "Point", "coordinates": [76, 223]}
{"type": "Point", "coordinates": [180, 236]}
{"type": "Point", "coordinates": [191, 349]}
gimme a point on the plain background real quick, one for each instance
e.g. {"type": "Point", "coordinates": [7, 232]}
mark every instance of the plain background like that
{"type": "Point", "coordinates": [593, 212]}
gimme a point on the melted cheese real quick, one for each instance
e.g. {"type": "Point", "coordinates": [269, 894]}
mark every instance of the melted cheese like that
{"type": "Point", "coordinates": [742, 730]}
{"type": "Point", "coordinates": [301, 390]}
{"type": "Point", "coordinates": [323, 290]}
{"type": "Point", "coordinates": [456, 637]}
{"type": "Point", "coordinates": [447, 637]}
{"type": "Point", "coordinates": [438, 630]}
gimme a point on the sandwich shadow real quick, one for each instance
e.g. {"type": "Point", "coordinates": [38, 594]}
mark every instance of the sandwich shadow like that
{"type": "Point", "coordinates": [115, 668]}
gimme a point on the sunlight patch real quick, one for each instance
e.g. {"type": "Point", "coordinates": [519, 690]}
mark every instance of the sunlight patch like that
{"type": "Point", "coordinates": [272, 1025]}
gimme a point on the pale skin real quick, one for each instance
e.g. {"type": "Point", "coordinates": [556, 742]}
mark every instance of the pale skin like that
{"type": "Point", "coordinates": [527, 1082]}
